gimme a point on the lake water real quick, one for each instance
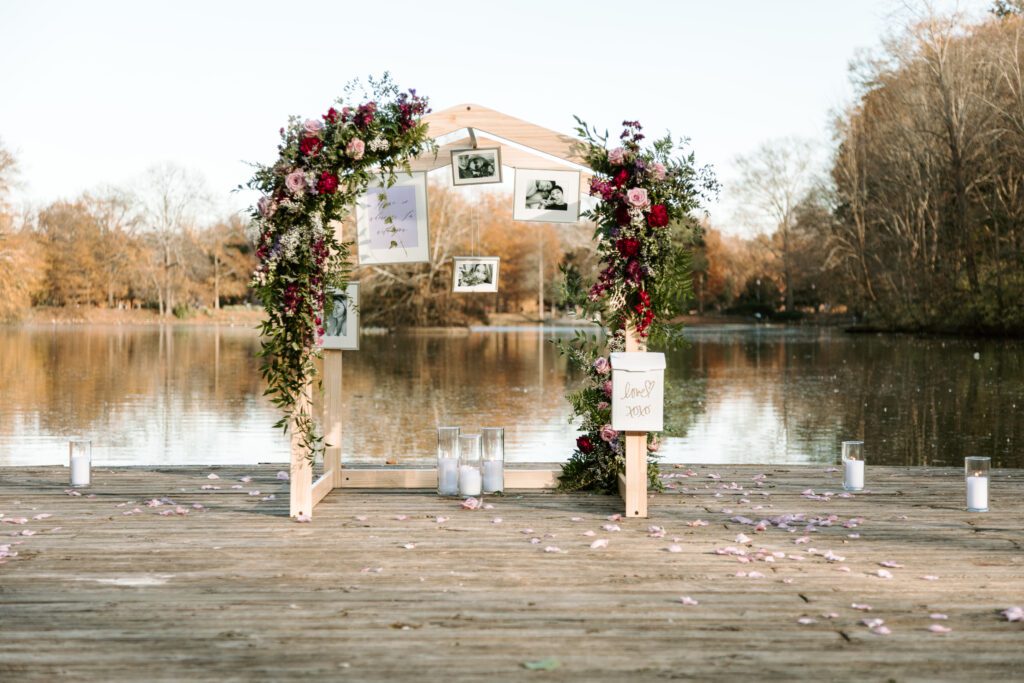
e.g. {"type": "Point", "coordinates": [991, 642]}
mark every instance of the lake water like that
{"type": "Point", "coordinates": [754, 394]}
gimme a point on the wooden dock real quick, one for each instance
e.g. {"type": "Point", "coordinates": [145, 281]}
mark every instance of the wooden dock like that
{"type": "Point", "coordinates": [404, 586]}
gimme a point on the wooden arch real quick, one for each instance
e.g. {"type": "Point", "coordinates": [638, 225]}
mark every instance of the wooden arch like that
{"type": "Point", "coordinates": [523, 145]}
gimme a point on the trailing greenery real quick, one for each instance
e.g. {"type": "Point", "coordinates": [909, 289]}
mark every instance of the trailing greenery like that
{"type": "Point", "coordinates": [644, 228]}
{"type": "Point", "coordinates": [323, 166]}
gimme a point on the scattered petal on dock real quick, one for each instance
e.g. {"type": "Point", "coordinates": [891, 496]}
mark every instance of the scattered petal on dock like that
{"type": "Point", "coordinates": [599, 543]}
{"type": "Point", "coordinates": [283, 476]}
{"type": "Point", "coordinates": [687, 600]}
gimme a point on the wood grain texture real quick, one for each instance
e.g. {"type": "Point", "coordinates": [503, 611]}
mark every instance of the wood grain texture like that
{"type": "Point", "coordinates": [236, 591]}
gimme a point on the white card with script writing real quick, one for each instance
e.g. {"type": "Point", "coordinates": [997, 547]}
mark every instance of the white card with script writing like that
{"type": "Point", "coordinates": [638, 391]}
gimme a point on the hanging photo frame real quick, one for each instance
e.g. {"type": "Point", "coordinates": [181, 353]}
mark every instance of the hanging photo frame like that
{"type": "Point", "coordinates": [393, 228]}
{"type": "Point", "coordinates": [475, 274]}
{"type": "Point", "coordinates": [476, 166]}
{"type": "Point", "coordinates": [341, 326]}
{"type": "Point", "coordinates": [546, 196]}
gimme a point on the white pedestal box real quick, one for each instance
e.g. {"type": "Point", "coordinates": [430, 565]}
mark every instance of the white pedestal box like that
{"type": "Point", "coordinates": [638, 391]}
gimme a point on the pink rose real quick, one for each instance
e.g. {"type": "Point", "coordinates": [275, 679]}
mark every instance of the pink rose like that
{"type": "Point", "coordinates": [654, 445]}
{"type": "Point", "coordinates": [295, 182]}
{"type": "Point", "coordinates": [312, 127]}
{"type": "Point", "coordinates": [637, 196]}
{"type": "Point", "coordinates": [603, 405]}
{"type": "Point", "coordinates": [607, 388]}
{"type": "Point", "coordinates": [602, 366]}
{"type": "Point", "coordinates": [617, 156]}
{"type": "Point", "coordinates": [658, 170]}
{"type": "Point", "coordinates": [266, 206]}
{"type": "Point", "coordinates": [607, 433]}
{"type": "Point", "coordinates": [355, 149]}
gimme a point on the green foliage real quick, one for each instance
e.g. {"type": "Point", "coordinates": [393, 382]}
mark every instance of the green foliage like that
{"type": "Point", "coordinates": [322, 168]}
{"type": "Point", "coordinates": [644, 233]}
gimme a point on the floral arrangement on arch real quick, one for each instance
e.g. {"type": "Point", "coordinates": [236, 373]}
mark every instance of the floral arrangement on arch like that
{"type": "Point", "coordinates": [323, 166]}
{"type": "Point", "coordinates": [644, 233]}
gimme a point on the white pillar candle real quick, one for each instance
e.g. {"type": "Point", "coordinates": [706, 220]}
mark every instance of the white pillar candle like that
{"type": "Point", "coordinates": [853, 475]}
{"type": "Point", "coordinates": [494, 476]}
{"type": "Point", "coordinates": [80, 469]}
{"type": "Point", "coordinates": [977, 493]}
{"type": "Point", "coordinates": [469, 480]}
{"type": "Point", "coordinates": [448, 476]}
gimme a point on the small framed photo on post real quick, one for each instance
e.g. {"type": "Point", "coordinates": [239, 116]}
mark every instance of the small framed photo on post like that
{"type": "Point", "coordinates": [341, 324]}
{"type": "Point", "coordinates": [476, 274]}
{"type": "Point", "coordinates": [546, 196]}
{"type": "Point", "coordinates": [476, 166]}
{"type": "Point", "coordinates": [391, 223]}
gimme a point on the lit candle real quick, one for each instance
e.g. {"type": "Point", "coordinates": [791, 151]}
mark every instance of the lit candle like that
{"type": "Point", "coordinates": [977, 492]}
{"type": "Point", "coordinates": [80, 451]}
{"type": "Point", "coordinates": [448, 476]}
{"type": "Point", "coordinates": [976, 469]}
{"type": "Point", "coordinates": [469, 480]}
{"type": "Point", "coordinates": [494, 476]}
{"type": "Point", "coordinates": [853, 475]}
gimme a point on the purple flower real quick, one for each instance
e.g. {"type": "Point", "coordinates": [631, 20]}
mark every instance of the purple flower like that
{"type": "Point", "coordinates": [602, 366]}
{"type": "Point", "coordinates": [295, 182]}
{"type": "Point", "coordinates": [634, 273]}
{"type": "Point", "coordinates": [607, 433]}
{"type": "Point", "coordinates": [617, 156]}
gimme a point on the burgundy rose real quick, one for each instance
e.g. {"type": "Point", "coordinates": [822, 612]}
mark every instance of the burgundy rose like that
{"type": "Point", "coordinates": [310, 146]}
{"type": "Point", "coordinates": [332, 115]}
{"type": "Point", "coordinates": [622, 216]}
{"type": "Point", "coordinates": [658, 216]}
{"type": "Point", "coordinates": [628, 246]}
{"type": "Point", "coordinates": [328, 183]}
{"type": "Point", "coordinates": [585, 444]}
{"type": "Point", "coordinates": [621, 177]}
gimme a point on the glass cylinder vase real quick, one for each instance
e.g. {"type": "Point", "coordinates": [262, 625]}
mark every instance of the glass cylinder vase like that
{"type": "Point", "coordinates": [853, 465]}
{"type": "Point", "coordinates": [493, 457]}
{"type": "Point", "coordinates": [470, 478]}
{"type": "Point", "coordinates": [448, 461]}
{"type": "Point", "coordinates": [976, 471]}
{"type": "Point", "coordinates": [80, 461]}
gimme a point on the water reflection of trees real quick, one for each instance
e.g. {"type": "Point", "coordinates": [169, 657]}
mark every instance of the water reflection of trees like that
{"type": "Point", "coordinates": [914, 401]}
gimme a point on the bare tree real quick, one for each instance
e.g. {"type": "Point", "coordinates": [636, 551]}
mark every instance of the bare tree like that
{"type": "Point", "coordinates": [772, 182]}
{"type": "Point", "coordinates": [172, 198]}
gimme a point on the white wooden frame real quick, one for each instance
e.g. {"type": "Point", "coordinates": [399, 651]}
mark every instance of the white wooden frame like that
{"type": "Point", "coordinates": [306, 493]}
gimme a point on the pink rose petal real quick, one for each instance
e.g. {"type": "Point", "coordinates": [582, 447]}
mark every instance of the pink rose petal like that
{"type": "Point", "coordinates": [687, 600]}
{"type": "Point", "coordinates": [441, 520]}
{"type": "Point", "coordinates": [611, 527]}
{"type": "Point", "coordinates": [552, 549]}
{"type": "Point", "coordinates": [360, 518]}
{"type": "Point", "coordinates": [890, 564]}
{"type": "Point", "coordinates": [303, 518]}
{"type": "Point", "coordinates": [872, 623]}
{"type": "Point", "coordinates": [401, 518]}
{"type": "Point", "coordinates": [742, 538]}
{"type": "Point", "coordinates": [575, 519]}
{"type": "Point", "coordinates": [674, 548]}
{"type": "Point", "coordinates": [696, 523]}
{"type": "Point", "coordinates": [589, 533]}
{"type": "Point", "coordinates": [806, 621]}
{"type": "Point", "coordinates": [497, 520]}
{"type": "Point", "coordinates": [862, 608]}
{"type": "Point", "coordinates": [930, 577]}
{"type": "Point", "coordinates": [881, 631]}
{"type": "Point", "coordinates": [599, 543]}
{"type": "Point", "coordinates": [283, 476]}
{"type": "Point", "coordinates": [212, 476]}
{"type": "Point", "coordinates": [614, 518]}
{"type": "Point", "coordinates": [1013, 613]}
{"type": "Point", "coordinates": [254, 493]}
{"type": "Point", "coordinates": [470, 504]}
{"type": "Point", "coordinates": [939, 628]}
{"type": "Point", "coordinates": [937, 615]}
{"type": "Point", "coordinates": [245, 480]}
{"type": "Point", "coordinates": [884, 574]}
{"type": "Point", "coordinates": [42, 515]}
{"type": "Point", "coordinates": [409, 546]}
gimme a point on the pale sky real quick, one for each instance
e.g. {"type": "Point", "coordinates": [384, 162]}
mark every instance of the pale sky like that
{"type": "Point", "coordinates": [94, 93]}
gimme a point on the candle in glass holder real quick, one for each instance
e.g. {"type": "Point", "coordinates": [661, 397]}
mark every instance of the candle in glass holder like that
{"type": "Point", "coordinates": [80, 454]}
{"type": "Point", "coordinates": [470, 478]}
{"type": "Point", "coordinates": [493, 455]}
{"type": "Point", "coordinates": [448, 461]}
{"type": "Point", "coordinates": [976, 471]}
{"type": "Point", "coordinates": [853, 465]}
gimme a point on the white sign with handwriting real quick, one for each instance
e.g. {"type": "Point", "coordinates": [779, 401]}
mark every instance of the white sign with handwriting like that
{"type": "Point", "coordinates": [638, 391]}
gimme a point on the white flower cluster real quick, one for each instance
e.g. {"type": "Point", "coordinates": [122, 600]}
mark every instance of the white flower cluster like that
{"type": "Point", "coordinates": [379, 144]}
{"type": "Point", "coordinates": [289, 244]}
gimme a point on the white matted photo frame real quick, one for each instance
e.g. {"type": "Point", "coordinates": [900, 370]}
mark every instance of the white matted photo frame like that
{"type": "Point", "coordinates": [475, 274]}
{"type": "Point", "coordinates": [393, 229]}
{"type": "Point", "coordinates": [341, 326]}
{"type": "Point", "coordinates": [546, 195]}
{"type": "Point", "coordinates": [476, 166]}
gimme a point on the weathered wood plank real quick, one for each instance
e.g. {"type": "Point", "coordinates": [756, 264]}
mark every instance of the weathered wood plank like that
{"type": "Point", "coordinates": [237, 591]}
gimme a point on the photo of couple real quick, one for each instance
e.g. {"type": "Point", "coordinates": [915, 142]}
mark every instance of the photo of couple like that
{"type": "Point", "coordinates": [476, 166]}
{"type": "Point", "coordinates": [475, 274]}
{"type": "Point", "coordinates": [545, 194]}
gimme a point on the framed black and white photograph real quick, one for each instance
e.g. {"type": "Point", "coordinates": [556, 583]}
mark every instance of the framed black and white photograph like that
{"type": "Point", "coordinates": [476, 274]}
{"type": "Point", "coordinates": [341, 326]}
{"type": "Point", "coordinates": [546, 196]}
{"type": "Point", "coordinates": [391, 223]}
{"type": "Point", "coordinates": [476, 166]}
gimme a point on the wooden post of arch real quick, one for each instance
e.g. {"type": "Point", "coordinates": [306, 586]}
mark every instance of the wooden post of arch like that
{"type": "Point", "coordinates": [633, 485]}
{"type": "Point", "coordinates": [304, 493]}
